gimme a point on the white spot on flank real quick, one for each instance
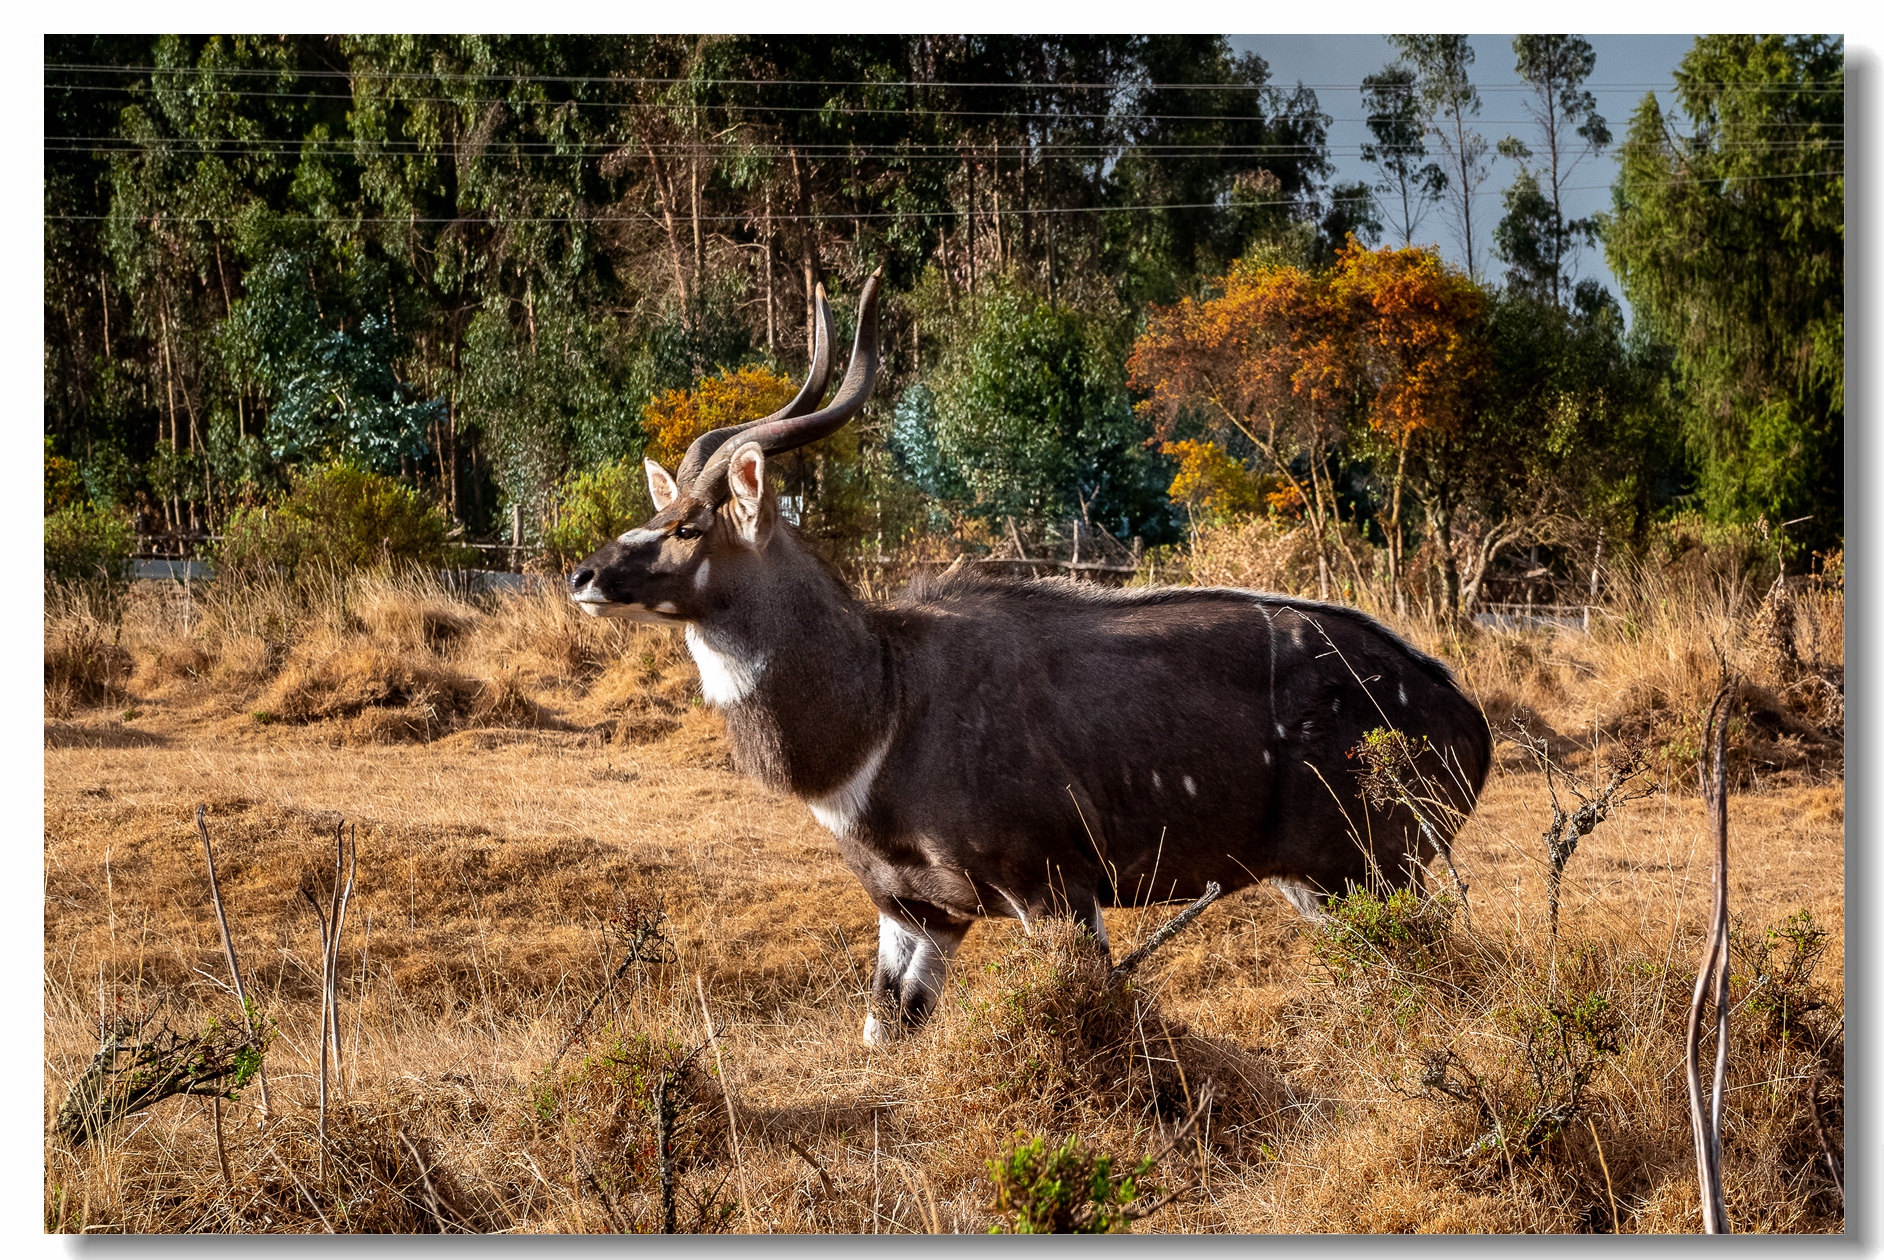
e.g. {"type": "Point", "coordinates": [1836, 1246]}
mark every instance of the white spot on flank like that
{"type": "Point", "coordinates": [1403, 694]}
{"type": "Point", "coordinates": [725, 679]}
{"type": "Point", "coordinates": [840, 809]}
{"type": "Point", "coordinates": [700, 575]}
{"type": "Point", "coordinates": [1280, 733]}
{"type": "Point", "coordinates": [1267, 759]}
{"type": "Point", "coordinates": [1157, 782]}
{"type": "Point", "coordinates": [1190, 785]}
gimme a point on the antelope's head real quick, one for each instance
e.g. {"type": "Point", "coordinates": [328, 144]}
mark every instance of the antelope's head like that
{"type": "Point", "coordinates": [715, 515]}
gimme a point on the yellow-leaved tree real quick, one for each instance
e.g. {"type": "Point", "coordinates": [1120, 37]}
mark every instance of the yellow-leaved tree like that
{"type": "Point", "coordinates": [672, 421]}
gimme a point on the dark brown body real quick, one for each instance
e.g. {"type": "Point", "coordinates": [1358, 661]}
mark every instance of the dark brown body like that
{"type": "Point", "coordinates": [1045, 745]}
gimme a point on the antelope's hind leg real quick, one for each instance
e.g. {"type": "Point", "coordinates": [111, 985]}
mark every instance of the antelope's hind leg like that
{"type": "Point", "coordinates": [912, 960]}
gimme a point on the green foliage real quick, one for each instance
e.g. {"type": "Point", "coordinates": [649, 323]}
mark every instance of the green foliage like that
{"type": "Point", "coordinates": [1534, 238]}
{"type": "Point", "coordinates": [596, 506]}
{"type": "Point", "coordinates": [338, 517]}
{"type": "Point", "coordinates": [1729, 243]}
{"type": "Point", "coordinates": [89, 544]}
{"type": "Point", "coordinates": [1066, 1189]}
{"type": "Point", "coordinates": [1400, 931]}
{"type": "Point", "coordinates": [1409, 185]}
{"type": "Point", "coordinates": [336, 391]}
{"type": "Point", "coordinates": [1030, 419]}
{"type": "Point", "coordinates": [1776, 966]}
{"type": "Point", "coordinates": [64, 485]}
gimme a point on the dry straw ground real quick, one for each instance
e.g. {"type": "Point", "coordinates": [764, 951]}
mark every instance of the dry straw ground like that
{"type": "Point", "coordinates": [528, 786]}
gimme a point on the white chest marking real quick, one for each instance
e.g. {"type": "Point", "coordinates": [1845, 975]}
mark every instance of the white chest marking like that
{"type": "Point", "coordinates": [1190, 785]}
{"type": "Point", "coordinates": [1403, 694]}
{"type": "Point", "coordinates": [725, 679]}
{"type": "Point", "coordinates": [840, 808]}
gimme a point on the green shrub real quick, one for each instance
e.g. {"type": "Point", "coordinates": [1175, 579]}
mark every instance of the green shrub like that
{"type": "Point", "coordinates": [1401, 931]}
{"type": "Point", "coordinates": [89, 544]}
{"type": "Point", "coordinates": [1068, 1190]}
{"type": "Point", "coordinates": [597, 505]}
{"type": "Point", "coordinates": [337, 516]}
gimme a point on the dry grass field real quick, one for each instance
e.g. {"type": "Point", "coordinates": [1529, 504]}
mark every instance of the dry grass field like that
{"type": "Point", "coordinates": [528, 786]}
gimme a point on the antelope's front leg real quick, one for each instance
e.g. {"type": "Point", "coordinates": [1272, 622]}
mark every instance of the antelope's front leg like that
{"type": "Point", "coordinates": [912, 959]}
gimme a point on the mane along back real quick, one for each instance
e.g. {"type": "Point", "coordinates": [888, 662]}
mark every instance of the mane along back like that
{"type": "Point", "coordinates": [965, 589]}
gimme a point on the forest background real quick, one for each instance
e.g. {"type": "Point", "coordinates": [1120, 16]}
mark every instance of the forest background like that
{"type": "Point", "coordinates": [457, 287]}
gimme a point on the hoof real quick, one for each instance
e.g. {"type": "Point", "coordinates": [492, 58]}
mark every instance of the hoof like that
{"type": "Point", "coordinates": [876, 1032]}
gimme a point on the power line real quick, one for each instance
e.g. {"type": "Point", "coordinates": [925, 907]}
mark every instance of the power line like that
{"type": "Point", "coordinates": [847, 111]}
{"type": "Point", "coordinates": [500, 220]}
{"type": "Point", "coordinates": [1011, 85]}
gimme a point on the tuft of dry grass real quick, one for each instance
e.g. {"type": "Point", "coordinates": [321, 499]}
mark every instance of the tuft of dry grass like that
{"type": "Point", "coordinates": [570, 772]}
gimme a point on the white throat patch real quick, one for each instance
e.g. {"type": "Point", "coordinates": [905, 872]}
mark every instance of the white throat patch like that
{"type": "Point", "coordinates": [840, 808]}
{"type": "Point", "coordinates": [725, 678]}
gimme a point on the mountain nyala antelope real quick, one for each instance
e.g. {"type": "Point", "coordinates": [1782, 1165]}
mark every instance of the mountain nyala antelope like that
{"type": "Point", "coordinates": [1027, 748]}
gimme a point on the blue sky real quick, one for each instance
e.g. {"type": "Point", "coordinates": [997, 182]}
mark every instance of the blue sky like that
{"type": "Point", "coordinates": [1628, 67]}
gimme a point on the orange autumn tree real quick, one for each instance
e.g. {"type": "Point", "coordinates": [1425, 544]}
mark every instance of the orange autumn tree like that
{"type": "Point", "coordinates": [1412, 324]}
{"type": "Point", "coordinates": [672, 421]}
{"type": "Point", "coordinates": [1269, 359]}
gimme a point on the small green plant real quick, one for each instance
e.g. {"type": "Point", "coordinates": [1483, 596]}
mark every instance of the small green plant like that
{"type": "Point", "coordinates": [1064, 1190]}
{"type": "Point", "coordinates": [1776, 965]}
{"type": "Point", "coordinates": [89, 544]}
{"type": "Point", "coordinates": [262, 717]}
{"type": "Point", "coordinates": [1402, 931]}
{"type": "Point", "coordinates": [1563, 1045]}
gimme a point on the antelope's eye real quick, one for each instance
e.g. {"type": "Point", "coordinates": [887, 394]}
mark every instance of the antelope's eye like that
{"type": "Point", "coordinates": [686, 531]}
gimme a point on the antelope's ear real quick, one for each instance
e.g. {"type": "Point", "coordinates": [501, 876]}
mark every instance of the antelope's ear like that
{"type": "Point", "coordinates": [745, 477]}
{"type": "Point", "coordinates": [661, 487]}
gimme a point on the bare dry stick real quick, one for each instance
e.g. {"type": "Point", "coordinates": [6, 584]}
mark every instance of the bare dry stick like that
{"type": "Point", "coordinates": [726, 1088]}
{"type": "Point", "coordinates": [222, 1151]}
{"type": "Point", "coordinates": [1615, 1222]}
{"type": "Point", "coordinates": [311, 1202]}
{"type": "Point", "coordinates": [1156, 940]}
{"type": "Point", "coordinates": [425, 1178]}
{"type": "Point", "coordinates": [228, 952]}
{"type": "Point", "coordinates": [330, 921]}
{"type": "Point", "coordinates": [824, 1178]}
{"type": "Point", "coordinates": [1825, 1141]}
{"type": "Point", "coordinates": [664, 1148]}
{"type": "Point", "coordinates": [1713, 971]}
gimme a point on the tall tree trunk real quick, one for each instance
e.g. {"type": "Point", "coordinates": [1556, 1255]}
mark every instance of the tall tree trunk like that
{"type": "Point", "coordinates": [971, 221]}
{"type": "Point", "coordinates": [699, 246]}
{"type": "Point", "coordinates": [1441, 513]}
{"type": "Point", "coordinates": [664, 188]}
{"type": "Point", "coordinates": [771, 307]}
{"type": "Point", "coordinates": [1395, 542]}
{"type": "Point", "coordinates": [1000, 234]}
{"type": "Point", "coordinates": [808, 247]}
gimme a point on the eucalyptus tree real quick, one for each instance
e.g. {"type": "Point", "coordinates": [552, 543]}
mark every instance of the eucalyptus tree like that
{"type": "Point", "coordinates": [1534, 237]}
{"type": "Point", "coordinates": [1448, 102]}
{"type": "Point", "coordinates": [1398, 149]}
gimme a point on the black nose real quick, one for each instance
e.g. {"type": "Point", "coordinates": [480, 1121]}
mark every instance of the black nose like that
{"type": "Point", "coordinates": [581, 578]}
